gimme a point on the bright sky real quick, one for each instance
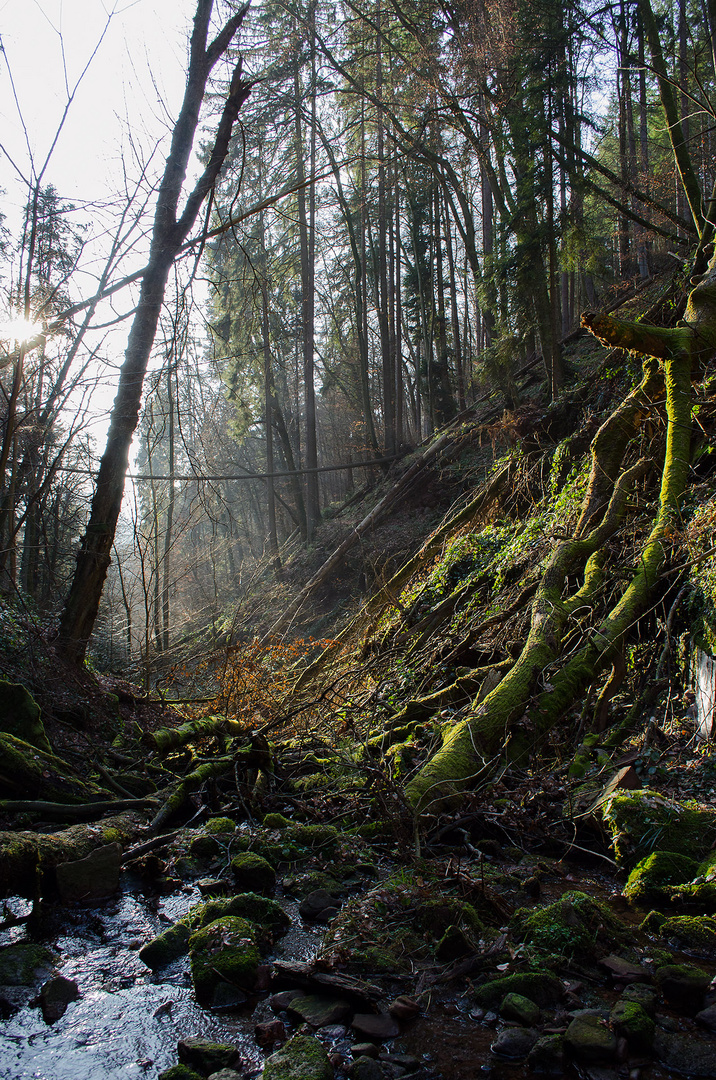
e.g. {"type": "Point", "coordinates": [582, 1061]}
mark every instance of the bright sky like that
{"type": "Point", "coordinates": [136, 75]}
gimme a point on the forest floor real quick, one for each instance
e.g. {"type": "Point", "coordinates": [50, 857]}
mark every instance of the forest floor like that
{"type": "Point", "coordinates": [263, 871]}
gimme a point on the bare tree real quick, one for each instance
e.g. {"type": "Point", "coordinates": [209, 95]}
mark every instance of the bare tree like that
{"type": "Point", "coordinates": [168, 235]}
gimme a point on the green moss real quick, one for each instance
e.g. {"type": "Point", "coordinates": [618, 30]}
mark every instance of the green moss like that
{"type": "Point", "coordinates": [204, 847]}
{"type": "Point", "coordinates": [180, 1072]}
{"type": "Point", "coordinates": [24, 963]}
{"type": "Point", "coordinates": [275, 821]}
{"type": "Point", "coordinates": [436, 916]}
{"type": "Point", "coordinates": [313, 836]}
{"type": "Point", "coordinates": [652, 923]}
{"type": "Point", "coordinates": [650, 879]}
{"type": "Point", "coordinates": [573, 927]}
{"type": "Point", "coordinates": [690, 931]}
{"type": "Point", "coordinates": [701, 895]}
{"type": "Point", "coordinates": [20, 715]}
{"type": "Point", "coordinates": [256, 909]}
{"type": "Point", "coordinates": [253, 873]}
{"type": "Point", "coordinates": [302, 1058]}
{"type": "Point", "coordinates": [540, 987]}
{"type": "Point", "coordinates": [644, 821]}
{"type": "Point", "coordinates": [223, 951]}
{"type": "Point", "coordinates": [219, 825]}
{"type": "Point", "coordinates": [165, 947]}
{"type": "Point", "coordinates": [630, 1020]}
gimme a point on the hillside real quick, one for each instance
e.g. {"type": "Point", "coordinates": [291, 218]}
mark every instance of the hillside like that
{"type": "Point", "coordinates": [479, 804]}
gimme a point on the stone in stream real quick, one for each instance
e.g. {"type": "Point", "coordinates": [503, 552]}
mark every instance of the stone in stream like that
{"type": "Point", "coordinates": [319, 906]}
{"type": "Point", "coordinates": [55, 995]}
{"type": "Point", "coordinates": [280, 1002]}
{"type": "Point", "coordinates": [590, 1040]}
{"type": "Point", "coordinates": [520, 1009]}
{"type": "Point", "coordinates": [366, 1068]}
{"type": "Point", "coordinates": [381, 1026]}
{"type": "Point", "coordinates": [629, 1020]}
{"type": "Point", "coordinates": [643, 995]}
{"type": "Point", "coordinates": [92, 878]}
{"type": "Point", "coordinates": [622, 970]}
{"type": "Point", "coordinates": [302, 1058]}
{"type": "Point", "coordinates": [318, 1011]}
{"type": "Point", "coordinates": [364, 1049]}
{"type": "Point", "coordinates": [206, 1056]}
{"type": "Point", "coordinates": [514, 1044]}
{"type": "Point", "coordinates": [253, 873]}
{"type": "Point", "coordinates": [226, 1074]}
{"type": "Point", "coordinates": [270, 1032]}
{"type": "Point", "coordinates": [547, 1054]}
{"type": "Point", "coordinates": [404, 1008]}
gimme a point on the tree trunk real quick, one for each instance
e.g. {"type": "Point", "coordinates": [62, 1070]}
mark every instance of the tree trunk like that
{"type": "Point", "coordinates": [168, 235]}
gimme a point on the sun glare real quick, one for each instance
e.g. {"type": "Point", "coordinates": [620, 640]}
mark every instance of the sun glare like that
{"type": "Point", "coordinates": [17, 329]}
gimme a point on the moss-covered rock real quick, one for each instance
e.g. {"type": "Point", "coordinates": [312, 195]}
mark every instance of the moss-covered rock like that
{"type": "Point", "coordinates": [20, 716]}
{"type": "Point", "coordinates": [259, 910]}
{"type": "Point", "coordinates": [29, 773]}
{"type": "Point", "coordinates": [207, 1056]}
{"type": "Point", "coordinates": [650, 880]}
{"type": "Point", "coordinates": [576, 926]}
{"type": "Point", "coordinates": [590, 1041]}
{"type": "Point", "coordinates": [302, 1058]}
{"type": "Point", "coordinates": [690, 931]}
{"type": "Point", "coordinates": [645, 821]}
{"type": "Point", "coordinates": [275, 821]}
{"type": "Point", "coordinates": [629, 1020]}
{"type": "Point", "coordinates": [166, 947]}
{"type": "Point", "coordinates": [219, 826]}
{"type": "Point", "coordinates": [520, 1009]}
{"type": "Point", "coordinates": [203, 846]}
{"type": "Point", "coordinates": [180, 1072]}
{"type": "Point", "coordinates": [223, 951]}
{"type": "Point", "coordinates": [683, 985]}
{"type": "Point", "coordinates": [24, 963]}
{"type": "Point", "coordinates": [539, 986]}
{"type": "Point", "coordinates": [252, 873]}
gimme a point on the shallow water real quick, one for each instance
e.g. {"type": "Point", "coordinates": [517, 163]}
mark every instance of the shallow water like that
{"type": "Point", "coordinates": [127, 1021]}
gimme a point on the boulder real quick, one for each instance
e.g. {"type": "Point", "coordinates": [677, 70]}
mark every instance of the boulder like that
{"type": "Point", "coordinates": [590, 1040]}
{"type": "Point", "coordinates": [683, 986]}
{"type": "Point", "coordinates": [318, 1011]}
{"type": "Point", "coordinates": [547, 1054]}
{"type": "Point", "coordinates": [685, 1054]}
{"type": "Point", "coordinates": [630, 1021]}
{"type": "Point", "coordinates": [375, 1026]}
{"type": "Point", "coordinates": [252, 873]}
{"type": "Point", "coordinates": [23, 964]}
{"type": "Point", "coordinates": [520, 1009]}
{"type": "Point", "coordinates": [55, 995]}
{"type": "Point", "coordinates": [639, 821]}
{"type": "Point", "coordinates": [302, 1058]}
{"type": "Point", "coordinates": [318, 906]}
{"type": "Point", "coordinates": [223, 951]}
{"type": "Point", "coordinates": [93, 878]}
{"type": "Point", "coordinates": [206, 1056]}
{"type": "Point", "coordinates": [20, 715]}
{"type": "Point", "coordinates": [514, 1044]}
{"type": "Point", "coordinates": [650, 880]}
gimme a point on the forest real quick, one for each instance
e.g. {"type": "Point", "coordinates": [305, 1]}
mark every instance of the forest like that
{"type": "Point", "coordinates": [358, 557]}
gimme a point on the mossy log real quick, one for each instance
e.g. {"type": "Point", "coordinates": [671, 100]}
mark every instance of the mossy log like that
{"type": "Point", "coordinates": [28, 859]}
{"type": "Point", "coordinates": [20, 715]}
{"type": "Point", "coordinates": [468, 747]}
{"type": "Point", "coordinates": [30, 773]}
{"type": "Point", "coordinates": [209, 770]}
{"type": "Point", "coordinates": [166, 739]}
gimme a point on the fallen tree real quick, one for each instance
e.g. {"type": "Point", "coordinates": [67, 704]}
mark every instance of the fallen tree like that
{"type": "Point", "coordinates": [673, 357]}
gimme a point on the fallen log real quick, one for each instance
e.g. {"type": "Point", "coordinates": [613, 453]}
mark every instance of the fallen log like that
{"type": "Point", "coordinates": [166, 739]}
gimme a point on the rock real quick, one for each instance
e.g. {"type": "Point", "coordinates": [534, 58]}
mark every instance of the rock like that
{"type": "Point", "coordinates": [223, 951]}
{"type": "Point", "coordinates": [280, 1002]}
{"type": "Point", "coordinates": [364, 1049]}
{"type": "Point", "coordinates": [685, 1054]}
{"type": "Point", "coordinates": [20, 715]}
{"type": "Point", "coordinates": [629, 1020]}
{"type": "Point", "coordinates": [208, 1057]}
{"type": "Point", "coordinates": [92, 878]}
{"type": "Point", "coordinates": [22, 964]}
{"type": "Point", "coordinates": [226, 1074]}
{"type": "Point", "coordinates": [696, 932]}
{"type": "Point", "coordinates": [316, 904]}
{"type": "Point", "coordinates": [683, 986]}
{"type": "Point", "coordinates": [380, 1027]}
{"type": "Point", "coordinates": [623, 970]}
{"type": "Point", "coordinates": [573, 926]}
{"type": "Point", "coordinates": [514, 1044]}
{"type": "Point", "coordinates": [634, 817]}
{"type": "Point", "coordinates": [651, 879]}
{"type": "Point", "coordinates": [302, 1058]}
{"type": "Point", "coordinates": [166, 947]}
{"type": "Point", "coordinates": [180, 1072]}
{"type": "Point", "coordinates": [253, 873]}
{"type": "Point", "coordinates": [707, 1017]}
{"type": "Point", "coordinates": [259, 910]}
{"type": "Point", "coordinates": [453, 945]}
{"type": "Point", "coordinates": [55, 995]}
{"type": "Point", "coordinates": [547, 1054]}
{"type": "Point", "coordinates": [540, 987]}
{"type": "Point", "coordinates": [643, 995]}
{"type": "Point", "coordinates": [402, 1061]}
{"type": "Point", "coordinates": [520, 1009]}
{"type": "Point", "coordinates": [366, 1068]}
{"type": "Point", "coordinates": [318, 1011]}
{"type": "Point", "coordinates": [361, 994]}
{"type": "Point", "coordinates": [270, 1032]}
{"type": "Point", "coordinates": [590, 1040]}
{"type": "Point", "coordinates": [404, 1008]}
{"type": "Point", "coordinates": [227, 998]}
